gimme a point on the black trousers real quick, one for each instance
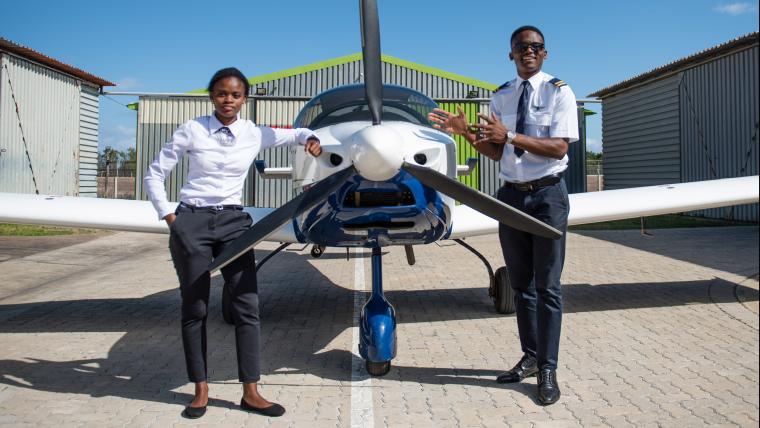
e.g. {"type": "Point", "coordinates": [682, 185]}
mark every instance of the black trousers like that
{"type": "Point", "coordinates": [535, 266]}
{"type": "Point", "coordinates": [196, 236]}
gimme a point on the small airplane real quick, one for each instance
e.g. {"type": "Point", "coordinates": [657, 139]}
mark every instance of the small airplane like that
{"type": "Point", "coordinates": [385, 177]}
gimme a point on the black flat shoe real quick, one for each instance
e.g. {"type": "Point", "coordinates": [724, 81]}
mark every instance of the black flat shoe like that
{"type": "Point", "coordinates": [526, 367]}
{"type": "Point", "coordinates": [548, 389]}
{"type": "Point", "coordinates": [274, 410]}
{"type": "Point", "coordinates": [193, 412]}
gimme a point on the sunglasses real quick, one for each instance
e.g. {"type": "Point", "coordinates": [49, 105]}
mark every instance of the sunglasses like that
{"type": "Point", "coordinates": [522, 47]}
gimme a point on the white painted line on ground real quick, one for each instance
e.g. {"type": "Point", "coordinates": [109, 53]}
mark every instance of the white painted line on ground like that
{"type": "Point", "coordinates": [361, 383]}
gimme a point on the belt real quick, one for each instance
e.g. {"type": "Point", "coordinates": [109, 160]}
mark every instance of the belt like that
{"type": "Point", "coordinates": [530, 186]}
{"type": "Point", "coordinates": [194, 208]}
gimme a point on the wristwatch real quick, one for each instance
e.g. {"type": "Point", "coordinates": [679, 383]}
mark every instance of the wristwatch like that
{"type": "Point", "coordinates": [511, 136]}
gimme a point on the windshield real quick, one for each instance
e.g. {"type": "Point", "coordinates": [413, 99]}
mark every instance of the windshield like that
{"type": "Point", "coordinates": [347, 103]}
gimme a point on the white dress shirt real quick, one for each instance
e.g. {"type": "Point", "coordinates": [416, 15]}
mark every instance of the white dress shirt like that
{"type": "Point", "coordinates": [219, 160]}
{"type": "Point", "coordinates": [552, 113]}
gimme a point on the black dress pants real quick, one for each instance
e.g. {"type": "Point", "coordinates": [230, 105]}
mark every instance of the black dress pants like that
{"type": "Point", "coordinates": [196, 237]}
{"type": "Point", "coordinates": [535, 266]}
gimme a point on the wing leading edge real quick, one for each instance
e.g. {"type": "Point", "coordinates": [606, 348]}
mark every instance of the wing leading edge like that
{"type": "Point", "coordinates": [594, 207]}
{"type": "Point", "coordinates": [113, 214]}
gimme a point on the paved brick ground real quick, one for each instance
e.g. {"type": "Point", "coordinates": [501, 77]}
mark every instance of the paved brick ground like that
{"type": "Point", "coordinates": [659, 331]}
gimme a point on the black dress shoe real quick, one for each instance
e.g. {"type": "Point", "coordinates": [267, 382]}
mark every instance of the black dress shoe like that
{"type": "Point", "coordinates": [548, 390]}
{"type": "Point", "coordinates": [526, 367]}
{"type": "Point", "coordinates": [274, 410]}
{"type": "Point", "coordinates": [194, 412]}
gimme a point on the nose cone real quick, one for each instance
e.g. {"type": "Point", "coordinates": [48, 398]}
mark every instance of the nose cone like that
{"type": "Point", "coordinates": [376, 152]}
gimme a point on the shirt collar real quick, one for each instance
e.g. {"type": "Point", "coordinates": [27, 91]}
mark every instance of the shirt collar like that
{"type": "Point", "coordinates": [214, 125]}
{"type": "Point", "coordinates": [534, 80]}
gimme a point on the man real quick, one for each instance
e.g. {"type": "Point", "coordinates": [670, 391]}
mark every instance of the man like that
{"type": "Point", "coordinates": [533, 120]}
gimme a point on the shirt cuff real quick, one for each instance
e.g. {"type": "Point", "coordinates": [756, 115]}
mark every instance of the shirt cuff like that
{"type": "Point", "coordinates": [163, 209]}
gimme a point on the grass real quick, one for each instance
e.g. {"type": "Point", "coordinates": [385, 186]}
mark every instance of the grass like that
{"type": "Point", "coordinates": [34, 230]}
{"type": "Point", "coordinates": [667, 221]}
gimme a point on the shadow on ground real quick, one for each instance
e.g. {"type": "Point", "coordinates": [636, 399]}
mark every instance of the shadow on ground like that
{"type": "Point", "coordinates": [298, 321]}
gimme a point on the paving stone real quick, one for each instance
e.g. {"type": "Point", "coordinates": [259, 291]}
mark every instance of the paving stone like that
{"type": "Point", "coordinates": [653, 335]}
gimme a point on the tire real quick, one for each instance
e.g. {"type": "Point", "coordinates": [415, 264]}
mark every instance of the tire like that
{"type": "Point", "coordinates": [317, 251]}
{"type": "Point", "coordinates": [378, 368]}
{"type": "Point", "coordinates": [227, 306]}
{"type": "Point", "coordinates": [504, 295]}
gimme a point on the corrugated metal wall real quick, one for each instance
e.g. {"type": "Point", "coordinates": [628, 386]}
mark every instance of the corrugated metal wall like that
{"type": "Point", "coordinates": [313, 82]}
{"type": "Point", "coordinates": [89, 119]}
{"type": "Point", "coordinates": [465, 149]}
{"type": "Point", "coordinates": [719, 124]}
{"type": "Point", "coordinates": [641, 134]}
{"type": "Point", "coordinates": [273, 193]}
{"type": "Point", "coordinates": [49, 107]}
{"type": "Point", "coordinates": [489, 168]}
{"type": "Point", "coordinates": [575, 174]}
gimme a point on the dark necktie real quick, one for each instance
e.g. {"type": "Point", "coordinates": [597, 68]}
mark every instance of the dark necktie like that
{"type": "Point", "coordinates": [521, 106]}
{"type": "Point", "coordinates": [224, 136]}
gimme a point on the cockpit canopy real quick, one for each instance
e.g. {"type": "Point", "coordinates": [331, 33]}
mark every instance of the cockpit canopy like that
{"type": "Point", "coordinates": [347, 104]}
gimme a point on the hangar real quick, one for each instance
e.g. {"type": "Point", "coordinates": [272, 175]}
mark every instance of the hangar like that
{"type": "Point", "coordinates": [276, 98]}
{"type": "Point", "coordinates": [693, 119]}
{"type": "Point", "coordinates": [49, 123]}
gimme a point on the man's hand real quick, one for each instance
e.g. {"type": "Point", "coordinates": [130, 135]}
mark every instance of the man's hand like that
{"type": "Point", "coordinates": [313, 147]}
{"type": "Point", "coordinates": [493, 130]}
{"type": "Point", "coordinates": [449, 122]}
{"type": "Point", "coordinates": [170, 219]}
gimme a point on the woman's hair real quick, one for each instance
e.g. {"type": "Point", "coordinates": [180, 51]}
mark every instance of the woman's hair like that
{"type": "Point", "coordinates": [225, 73]}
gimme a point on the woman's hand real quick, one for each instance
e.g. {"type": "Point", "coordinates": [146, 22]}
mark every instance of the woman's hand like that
{"type": "Point", "coordinates": [449, 122]}
{"type": "Point", "coordinates": [170, 219]}
{"type": "Point", "coordinates": [313, 147]}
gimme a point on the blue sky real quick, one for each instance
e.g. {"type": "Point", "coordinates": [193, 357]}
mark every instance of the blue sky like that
{"type": "Point", "coordinates": [164, 46]}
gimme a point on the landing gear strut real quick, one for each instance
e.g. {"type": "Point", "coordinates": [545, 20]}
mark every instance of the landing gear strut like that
{"type": "Point", "coordinates": [227, 314]}
{"type": "Point", "coordinates": [377, 325]}
{"type": "Point", "coordinates": [499, 288]}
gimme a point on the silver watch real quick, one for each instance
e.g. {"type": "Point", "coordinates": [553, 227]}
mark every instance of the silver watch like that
{"type": "Point", "coordinates": [511, 136]}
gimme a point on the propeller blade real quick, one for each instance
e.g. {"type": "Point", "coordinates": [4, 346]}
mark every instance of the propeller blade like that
{"type": "Point", "coordinates": [277, 218]}
{"type": "Point", "coordinates": [481, 202]}
{"type": "Point", "coordinates": [373, 78]}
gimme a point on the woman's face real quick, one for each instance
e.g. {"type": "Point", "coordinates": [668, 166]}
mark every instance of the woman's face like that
{"type": "Point", "coordinates": [228, 96]}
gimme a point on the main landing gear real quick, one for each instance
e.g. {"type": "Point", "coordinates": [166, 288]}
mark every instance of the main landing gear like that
{"type": "Point", "coordinates": [499, 288]}
{"type": "Point", "coordinates": [377, 325]}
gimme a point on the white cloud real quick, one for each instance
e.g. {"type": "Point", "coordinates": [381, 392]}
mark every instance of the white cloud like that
{"type": "Point", "coordinates": [127, 83]}
{"type": "Point", "coordinates": [593, 145]}
{"type": "Point", "coordinates": [736, 8]}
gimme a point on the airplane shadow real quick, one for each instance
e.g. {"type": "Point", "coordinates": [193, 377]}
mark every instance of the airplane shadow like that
{"type": "Point", "coordinates": [299, 321]}
{"type": "Point", "coordinates": [694, 252]}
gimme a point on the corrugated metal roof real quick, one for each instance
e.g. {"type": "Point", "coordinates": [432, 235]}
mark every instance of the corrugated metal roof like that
{"type": "Point", "coordinates": [742, 42]}
{"type": "Point", "coordinates": [25, 52]}
{"type": "Point", "coordinates": [358, 56]}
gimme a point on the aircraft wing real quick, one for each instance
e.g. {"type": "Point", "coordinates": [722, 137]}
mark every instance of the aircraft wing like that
{"type": "Point", "coordinates": [594, 207]}
{"type": "Point", "coordinates": [114, 214]}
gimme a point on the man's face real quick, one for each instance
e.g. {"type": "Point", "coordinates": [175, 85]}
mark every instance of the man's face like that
{"type": "Point", "coordinates": [528, 52]}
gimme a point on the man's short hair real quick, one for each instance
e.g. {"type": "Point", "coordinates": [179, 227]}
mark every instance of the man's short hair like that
{"type": "Point", "coordinates": [525, 28]}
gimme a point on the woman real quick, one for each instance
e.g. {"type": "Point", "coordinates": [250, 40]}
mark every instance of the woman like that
{"type": "Point", "coordinates": [221, 148]}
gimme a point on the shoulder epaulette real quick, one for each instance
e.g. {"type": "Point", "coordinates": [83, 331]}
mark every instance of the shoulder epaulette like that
{"type": "Point", "coordinates": [504, 86]}
{"type": "Point", "coordinates": [558, 82]}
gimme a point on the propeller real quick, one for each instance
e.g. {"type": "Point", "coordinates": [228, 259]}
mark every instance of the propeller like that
{"type": "Point", "coordinates": [277, 218]}
{"type": "Point", "coordinates": [373, 78]}
{"type": "Point", "coordinates": [479, 201]}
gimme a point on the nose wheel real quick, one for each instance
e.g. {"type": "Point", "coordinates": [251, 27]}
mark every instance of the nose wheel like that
{"type": "Point", "coordinates": [377, 369]}
{"type": "Point", "coordinates": [377, 325]}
